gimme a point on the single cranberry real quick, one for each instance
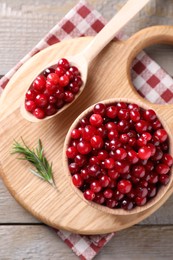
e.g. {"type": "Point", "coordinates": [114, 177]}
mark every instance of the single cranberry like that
{"type": "Point", "coordinates": [60, 71]}
{"type": "Point", "coordinates": [94, 170]}
{"type": "Point", "coordinates": [149, 115]}
{"type": "Point", "coordinates": [158, 155]}
{"type": "Point", "coordinates": [99, 109]}
{"type": "Point", "coordinates": [73, 87]}
{"type": "Point", "coordinates": [144, 153]}
{"type": "Point", "coordinates": [109, 163]}
{"type": "Point", "coordinates": [138, 171]}
{"type": "Point", "coordinates": [152, 191]}
{"type": "Point", "coordinates": [51, 89]}
{"type": "Point", "coordinates": [122, 166]}
{"type": "Point", "coordinates": [167, 159]}
{"type": "Point", "coordinates": [96, 142]}
{"type": "Point", "coordinates": [102, 155]}
{"type": "Point", "coordinates": [124, 186]}
{"type": "Point", "coordinates": [78, 80]}
{"type": "Point", "coordinates": [89, 195]}
{"type": "Point", "coordinates": [111, 111]}
{"type": "Point", "coordinates": [31, 94]}
{"type": "Point", "coordinates": [120, 154]}
{"type": "Point", "coordinates": [77, 180]}
{"type": "Point", "coordinates": [70, 75]}
{"type": "Point", "coordinates": [84, 147]}
{"type": "Point", "coordinates": [164, 179]}
{"type": "Point", "coordinates": [64, 80]}
{"type": "Point", "coordinates": [75, 134]}
{"type": "Point", "coordinates": [123, 126]}
{"type": "Point", "coordinates": [102, 131]}
{"type": "Point", "coordinates": [95, 186]}
{"type": "Point", "coordinates": [165, 146]}
{"type": "Point", "coordinates": [94, 160]}
{"type": "Point", "coordinates": [127, 204]}
{"type": "Point", "coordinates": [96, 120]}
{"type": "Point", "coordinates": [50, 110]}
{"type": "Point", "coordinates": [149, 166]}
{"type": "Point", "coordinates": [123, 114]}
{"type": "Point", "coordinates": [30, 105]}
{"type": "Point", "coordinates": [80, 159]}
{"type": "Point", "coordinates": [146, 136]}
{"type": "Point", "coordinates": [73, 168]}
{"type": "Point", "coordinates": [156, 125]}
{"type": "Point", "coordinates": [121, 105]}
{"type": "Point", "coordinates": [132, 142]}
{"type": "Point", "coordinates": [161, 135]}
{"type": "Point", "coordinates": [99, 198]}
{"type": "Point", "coordinates": [140, 201]}
{"type": "Point", "coordinates": [141, 192]}
{"type": "Point", "coordinates": [74, 70]}
{"type": "Point", "coordinates": [113, 174]}
{"type": "Point", "coordinates": [53, 78]}
{"type": "Point", "coordinates": [68, 96]}
{"type": "Point", "coordinates": [84, 174]}
{"type": "Point", "coordinates": [143, 183]}
{"type": "Point", "coordinates": [71, 152]}
{"type": "Point", "coordinates": [141, 126]}
{"type": "Point", "coordinates": [41, 100]}
{"type": "Point", "coordinates": [134, 115]}
{"type": "Point", "coordinates": [118, 195]}
{"type": "Point", "coordinates": [162, 168]}
{"type": "Point", "coordinates": [131, 194]}
{"type": "Point", "coordinates": [152, 178]}
{"type": "Point", "coordinates": [124, 138]}
{"type": "Point", "coordinates": [63, 63]}
{"type": "Point", "coordinates": [132, 157]}
{"type": "Point", "coordinates": [39, 83]}
{"type": "Point", "coordinates": [111, 126]}
{"type": "Point", "coordinates": [152, 148]}
{"type": "Point", "coordinates": [133, 107]}
{"type": "Point", "coordinates": [108, 193]}
{"type": "Point", "coordinates": [112, 134]}
{"type": "Point", "coordinates": [111, 203]}
{"type": "Point", "coordinates": [104, 180]}
{"type": "Point", "coordinates": [52, 100]}
{"type": "Point", "coordinates": [59, 93]}
{"type": "Point", "coordinates": [47, 71]}
{"type": "Point", "coordinates": [39, 113]}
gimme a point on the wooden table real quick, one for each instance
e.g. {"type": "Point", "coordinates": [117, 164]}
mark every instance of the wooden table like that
{"type": "Point", "coordinates": [22, 24]}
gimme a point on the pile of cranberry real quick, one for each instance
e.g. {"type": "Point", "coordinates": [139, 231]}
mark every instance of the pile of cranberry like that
{"type": "Point", "coordinates": [118, 155]}
{"type": "Point", "coordinates": [52, 89]}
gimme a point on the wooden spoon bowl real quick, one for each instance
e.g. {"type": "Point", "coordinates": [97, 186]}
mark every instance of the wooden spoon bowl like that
{"type": "Point", "coordinates": [162, 190]}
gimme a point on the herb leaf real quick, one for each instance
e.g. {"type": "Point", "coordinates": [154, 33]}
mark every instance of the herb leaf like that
{"type": "Point", "coordinates": [36, 157]}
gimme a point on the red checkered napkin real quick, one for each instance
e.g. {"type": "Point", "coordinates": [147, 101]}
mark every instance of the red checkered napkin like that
{"type": "Point", "coordinates": [149, 79]}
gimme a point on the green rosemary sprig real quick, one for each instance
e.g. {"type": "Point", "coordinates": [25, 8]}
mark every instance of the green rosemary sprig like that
{"type": "Point", "coordinates": [36, 157]}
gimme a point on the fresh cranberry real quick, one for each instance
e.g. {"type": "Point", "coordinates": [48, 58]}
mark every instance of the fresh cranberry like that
{"type": "Point", "coordinates": [164, 179]}
{"type": "Point", "coordinates": [74, 70]}
{"type": "Point", "coordinates": [133, 107]}
{"type": "Point", "coordinates": [63, 80]}
{"type": "Point", "coordinates": [53, 78]}
{"type": "Point", "coordinates": [112, 134]}
{"type": "Point", "coordinates": [167, 159]}
{"type": "Point", "coordinates": [60, 71]}
{"type": "Point", "coordinates": [89, 195]}
{"type": "Point", "coordinates": [161, 135]}
{"type": "Point", "coordinates": [135, 115]}
{"type": "Point", "coordinates": [141, 192]}
{"type": "Point", "coordinates": [104, 180]}
{"type": "Point", "coordinates": [138, 171]}
{"type": "Point", "coordinates": [74, 168]}
{"type": "Point", "coordinates": [64, 63]}
{"type": "Point", "coordinates": [41, 100]}
{"type": "Point", "coordinates": [68, 96]}
{"type": "Point", "coordinates": [151, 191]}
{"type": "Point", "coordinates": [75, 134]}
{"type": "Point", "coordinates": [122, 166]}
{"type": "Point", "coordinates": [51, 88]}
{"type": "Point", "coordinates": [124, 186]}
{"type": "Point", "coordinates": [102, 155]}
{"type": "Point", "coordinates": [88, 132]}
{"type": "Point", "coordinates": [95, 186]}
{"type": "Point", "coordinates": [124, 138]}
{"type": "Point", "coordinates": [111, 203]}
{"type": "Point", "coordinates": [77, 180]}
{"type": "Point", "coordinates": [141, 126]}
{"type": "Point", "coordinates": [39, 113]}
{"type": "Point", "coordinates": [162, 168]}
{"type": "Point", "coordinates": [96, 120]}
{"type": "Point", "coordinates": [39, 83]}
{"type": "Point", "coordinates": [123, 114]}
{"type": "Point", "coordinates": [113, 174]}
{"type": "Point", "coordinates": [30, 105]}
{"type": "Point", "coordinates": [47, 71]}
{"type": "Point", "coordinates": [80, 159]}
{"type": "Point", "coordinates": [132, 157]}
{"type": "Point", "coordinates": [140, 201]}
{"type": "Point", "coordinates": [111, 111]}
{"type": "Point", "coordinates": [96, 142]}
{"type": "Point", "coordinates": [127, 204]}
{"type": "Point", "coordinates": [99, 198]}
{"type": "Point", "coordinates": [31, 94]}
{"type": "Point", "coordinates": [94, 170]}
{"type": "Point", "coordinates": [84, 147]}
{"type": "Point", "coordinates": [149, 115]}
{"type": "Point", "coordinates": [108, 193]}
{"type": "Point", "coordinates": [99, 109]}
{"type": "Point", "coordinates": [144, 153]}
{"type": "Point", "coordinates": [120, 154]}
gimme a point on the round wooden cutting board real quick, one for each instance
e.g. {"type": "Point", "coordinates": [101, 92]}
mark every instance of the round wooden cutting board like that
{"type": "Point", "coordinates": [62, 208]}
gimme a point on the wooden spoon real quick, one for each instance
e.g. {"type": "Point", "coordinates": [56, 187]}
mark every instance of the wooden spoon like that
{"type": "Point", "coordinates": [83, 59]}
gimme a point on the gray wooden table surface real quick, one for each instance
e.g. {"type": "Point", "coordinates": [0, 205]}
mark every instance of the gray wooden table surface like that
{"type": "Point", "coordinates": [22, 25]}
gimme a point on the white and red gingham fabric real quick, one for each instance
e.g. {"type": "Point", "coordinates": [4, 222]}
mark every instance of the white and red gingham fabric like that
{"type": "Point", "coordinates": [149, 79]}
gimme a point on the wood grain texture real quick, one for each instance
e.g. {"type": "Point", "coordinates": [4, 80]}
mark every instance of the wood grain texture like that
{"type": "Point", "coordinates": [38, 242]}
{"type": "Point", "coordinates": [48, 205]}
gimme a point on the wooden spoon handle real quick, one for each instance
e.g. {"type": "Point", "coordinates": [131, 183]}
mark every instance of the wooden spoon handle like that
{"type": "Point", "coordinates": [128, 11]}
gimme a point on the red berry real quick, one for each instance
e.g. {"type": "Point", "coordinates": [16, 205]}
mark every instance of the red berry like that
{"type": "Point", "coordinates": [80, 159]}
{"type": "Point", "coordinates": [95, 186]}
{"type": "Point", "coordinates": [122, 166]}
{"type": "Point", "coordinates": [141, 126]}
{"type": "Point", "coordinates": [141, 192]}
{"type": "Point", "coordinates": [124, 186]}
{"type": "Point", "coordinates": [167, 159]}
{"type": "Point", "coordinates": [149, 115]}
{"type": "Point", "coordinates": [140, 201]}
{"type": "Point", "coordinates": [96, 120]}
{"type": "Point", "coordinates": [123, 114]}
{"type": "Point", "coordinates": [161, 135]}
{"type": "Point", "coordinates": [68, 96]}
{"type": "Point", "coordinates": [113, 174]}
{"type": "Point", "coordinates": [39, 113]}
{"type": "Point", "coordinates": [84, 147]}
{"type": "Point", "coordinates": [102, 155]}
{"type": "Point", "coordinates": [111, 111]}
{"type": "Point", "coordinates": [88, 132]}
{"type": "Point", "coordinates": [134, 115]}
{"type": "Point", "coordinates": [63, 63]}
{"type": "Point", "coordinates": [39, 83]}
{"type": "Point", "coordinates": [74, 70]}
{"type": "Point", "coordinates": [144, 153]}
{"type": "Point", "coordinates": [138, 171]}
{"type": "Point", "coordinates": [41, 100]}
{"type": "Point", "coordinates": [99, 109]}
{"type": "Point", "coordinates": [120, 154]}
{"type": "Point", "coordinates": [96, 142]}
{"type": "Point", "coordinates": [127, 204]}
{"type": "Point", "coordinates": [30, 105]}
{"type": "Point", "coordinates": [111, 203]}
{"type": "Point", "coordinates": [75, 134]}
{"type": "Point", "coordinates": [31, 94]}
{"type": "Point", "coordinates": [53, 78]}
{"type": "Point", "coordinates": [162, 168]}
{"type": "Point", "coordinates": [47, 71]}
{"type": "Point", "coordinates": [77, 180]}
{"type": "Point", "coordinates": [99, 198]}
{"type": "Point", "coordinates": [132, 157]}
{"type": "Point", "coordinates": [64, 80]}
{"type": "Point", "coordinates": [89, 195]}
{"type": "Point", "coordinates": [94, 170]}
{"type": "Point", "coordinates": [60, 71]}
{"type": "Point", "coordinates": [108, 193]}
{"type": "Point", "coordinates": [104, 180]}
{"type": "Point", "coordinates": [164, 179]}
